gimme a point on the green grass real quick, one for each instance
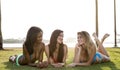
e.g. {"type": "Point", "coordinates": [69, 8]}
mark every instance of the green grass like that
{"type": "Point", "coordinates": [114, 64]}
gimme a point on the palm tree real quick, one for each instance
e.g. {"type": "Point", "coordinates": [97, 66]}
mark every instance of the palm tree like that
{"type": "Point", "coordinates": [115, 32]}
{"type": "Point", "coordinates": [96, 2]}
{"type": "Point", "coordinates": [96, 27]}
{"type": "Point", "coordinates": [1, 41]}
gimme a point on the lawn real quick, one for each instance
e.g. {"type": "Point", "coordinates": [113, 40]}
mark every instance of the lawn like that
{"type": "Point", "coordinates": [114, 64]}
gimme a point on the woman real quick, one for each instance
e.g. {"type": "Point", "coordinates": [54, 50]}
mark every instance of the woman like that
{"type": "Point", "coordinates": [33, 48]}
{"type": "Point", "coordinates": [86, 52]}
{"type": "Point", "coordinates": [56, 50]}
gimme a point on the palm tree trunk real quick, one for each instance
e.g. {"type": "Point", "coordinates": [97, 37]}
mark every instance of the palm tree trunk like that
{"type": "Point", "coordinates": [115, 45]}
{"type": "Point", "coordinates": [96, 3]}
{"type": "Point", "coordinates": [97, 17]}
{"type": "Point", "coordinates": [1, 40]}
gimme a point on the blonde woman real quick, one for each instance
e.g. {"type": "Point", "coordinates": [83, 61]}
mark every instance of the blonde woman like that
{"type": "Point", "coordinates": [86, 52]}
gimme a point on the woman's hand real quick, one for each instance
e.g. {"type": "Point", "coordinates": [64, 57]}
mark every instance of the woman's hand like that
{"type": "Point", "coordinates": [72, 65]}
{"type": "Point", "coordinates": [58, 65]}
{"type": "Point", "coordinates": [42, 64]}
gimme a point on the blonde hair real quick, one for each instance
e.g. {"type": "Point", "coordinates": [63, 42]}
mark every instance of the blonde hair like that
{"type": "Point", "coordinates": [89, 45]}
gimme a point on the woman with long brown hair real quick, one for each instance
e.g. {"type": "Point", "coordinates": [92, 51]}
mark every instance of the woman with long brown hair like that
{"type": "Point", "coordinates": [33, 49]}
{"type": "Point", "coordinates": [86, 52]}
{"type": "Point", "coordinates": [56, 50]}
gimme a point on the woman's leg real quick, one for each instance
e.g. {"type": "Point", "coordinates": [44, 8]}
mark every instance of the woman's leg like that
{"type": "Point", "coordinates": [104, 37]}
{"type": "Point", "coordinates": [101, 49]}
{"type": "Point", "coordinates": [12, 58]}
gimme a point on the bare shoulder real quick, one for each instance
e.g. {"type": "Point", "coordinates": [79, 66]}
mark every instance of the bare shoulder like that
{"type": "Point", "coordinates": [46, 47]}
{"type": "Point", "coordinates": [65, 46]}
{"type": "Point", "coordinates": [43, 44]}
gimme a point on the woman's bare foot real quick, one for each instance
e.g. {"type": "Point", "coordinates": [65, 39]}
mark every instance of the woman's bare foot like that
{"type": "Point", "coordinates": [101, 48]}
{"type": "Point", "coordinates": [95, 36]}
{"type": "Point", "coordinates": [12, 58]}
{"type": "Point", "coordinates": [104, 37]}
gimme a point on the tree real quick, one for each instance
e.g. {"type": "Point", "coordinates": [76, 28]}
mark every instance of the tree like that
{"type": "Point", "coordinates": [96, 3]}
{"type": "Point", "coordinates": [115, 32]}
{"type": "Point", "coordinates": [1, 39]}
{"type": "Point", "coordinates": [96, 14]}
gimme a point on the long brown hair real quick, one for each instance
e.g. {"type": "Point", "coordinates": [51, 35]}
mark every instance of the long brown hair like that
{"type": "Point", "coordinates": [88, 42]}
{"type": "Point", "coordinates": [31, 38]}
{"type": "Point", "coordinates": [52, 45]}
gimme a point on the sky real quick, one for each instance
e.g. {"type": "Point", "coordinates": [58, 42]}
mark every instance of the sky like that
{"type": "Point", "coordinates": [71, 16]}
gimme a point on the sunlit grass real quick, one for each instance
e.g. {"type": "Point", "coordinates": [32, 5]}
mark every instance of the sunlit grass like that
{"type": "Point", "coordinates": [113, 65]}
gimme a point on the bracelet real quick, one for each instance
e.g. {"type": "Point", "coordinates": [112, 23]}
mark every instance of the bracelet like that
{"type": "Point", "coordinates": [17, 61]}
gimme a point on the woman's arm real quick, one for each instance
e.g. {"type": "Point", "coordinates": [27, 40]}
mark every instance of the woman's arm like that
{"type": "Point", "coordinates": [65, 53]}
{"type": "Point", "coordinates": [41, 53]}
{"type": "Point", "coordinates": [26, 54]}
{"type": "Point", "coordinates": [91, 52]}
{"type": "Point", "coordinates": [55, 64]}
{"type": "Point", "coordinates": [47, 53]}
{"type": "Point", "coordinates": [77, 54]}
{"type": "Point", "coordinates": [50, 60]}
{"type": "Point", "coordinates": [64, 58]}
